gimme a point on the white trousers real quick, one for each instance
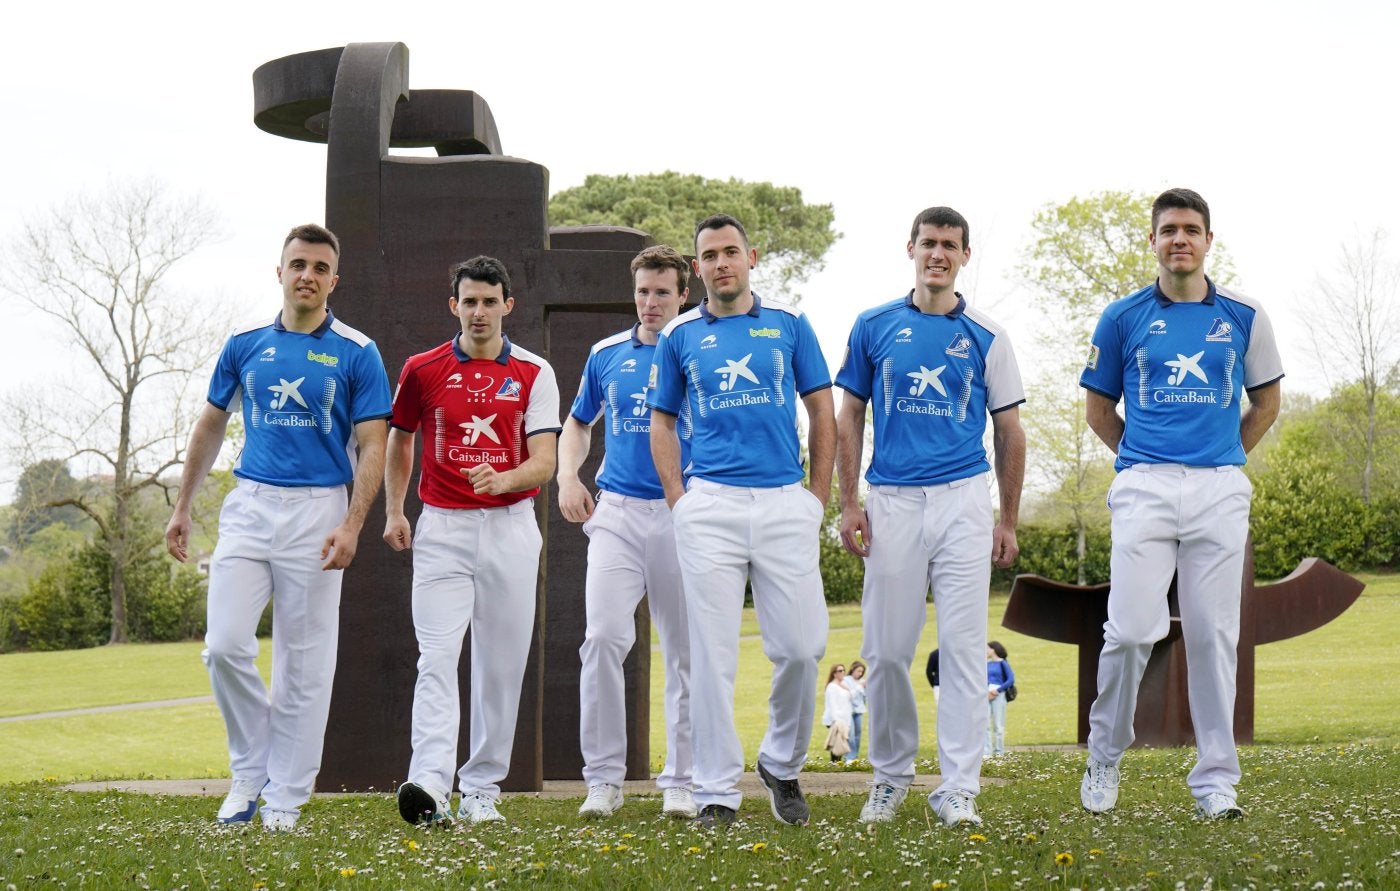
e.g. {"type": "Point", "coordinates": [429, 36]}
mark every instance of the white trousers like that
{"type": "Point", "coordinates": [472, 569]}
{"type": "Point", "coordinates": [724, 535]}
{"type": "Point", "coordinates": [1193, 520]}
{"type": "Point", "coordinates": [922, 536]}
{"type": "Point", "coordinates": [270, 540]}
{"type": "Point", "coordinates": [631, 552]}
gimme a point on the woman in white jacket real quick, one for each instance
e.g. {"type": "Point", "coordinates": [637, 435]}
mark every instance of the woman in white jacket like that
{"type": "Point", "coordinates": [837, 716]}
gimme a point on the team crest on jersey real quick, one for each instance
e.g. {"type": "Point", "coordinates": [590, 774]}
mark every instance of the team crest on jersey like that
{"type": "Point", "coordinates": [1091, 361]}
{"type": "Point", "coordinates": [509, 390]}
{"type": "Point", "coordinates": [904, 335]}
{"type": "Point", "coordinates": [1220, 331]}
{"type": "Point", "coordinates": [960, 346]}
{"type": "Point", "coordinates": [1158, 326]}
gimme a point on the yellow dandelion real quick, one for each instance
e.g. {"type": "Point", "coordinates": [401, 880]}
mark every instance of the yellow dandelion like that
{"type": "Point", "coordinates": [259, 884]}
{"type": "Point", "coordinates": [976, 837]}
{"type": "Point", "coordinates": [605, 848]}
{"type": "Point", "coordinates": [1095, 852]}
{"type": "Point", "coordinates": [412, 845]}
{"type": "Point", "coordinates": [538, 864]}
{"type": "Point", "coordinates": [1029, 836]}
{"type": "Point", "coordinates": [619, 847]}
{"type": "Point", "coordinates": [692, 850]}
{"type": "Point", "coordinates": [348, 871]}
{"type": "Point", "coordinates": [1064, 858]}
{"type": "Point", "coordinates": [939, 885]}
{"type": "Point", "coordinates": [758, 846]}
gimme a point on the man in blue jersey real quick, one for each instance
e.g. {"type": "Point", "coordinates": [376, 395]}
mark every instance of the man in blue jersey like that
{"type": "Point", "coordinates": [314, 399]}
{"type": "Point", "coordinates": [932, 369]}
{"type": "Point", "coordinates": [734, 368]}
{"type": "Point", "coordinates": [631, 548]}
{"type": "Point", "coordinates": [1180, 353]}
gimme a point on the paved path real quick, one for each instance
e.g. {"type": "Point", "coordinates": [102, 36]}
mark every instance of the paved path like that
{"type": "Point", "coordinates": [100, 709]}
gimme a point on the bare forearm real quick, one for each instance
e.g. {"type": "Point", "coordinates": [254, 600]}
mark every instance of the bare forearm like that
{"type": "Point", "coordinates": [1260, 415]}
{"type": "Point", "coordinates": [206, 440]}
{"type": "Point", "coordinates": [1010, 445]}
{"type": "Point", "coordinates": [574, 444]}
{"type": "Point", "coordinates": [369, 471]}
{"type": "Point", "coordinates": [850, 443]}
{"type": "Point", "coordinates": [666, 455]}
{"type": "Point", "coordinates": [821, 442]}
{"type": "Point", "coordinates": [398, 467]}
{"type": "Point", "coordinates": [1102, 416]}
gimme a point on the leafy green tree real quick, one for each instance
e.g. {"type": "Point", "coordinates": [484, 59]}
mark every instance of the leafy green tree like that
{"type": "Point", "coordinates": [41, 486]}
{"type": "Point", "coordinates": [1084, 254]}
{"type": "Point", "coordinates": [97, 267]}
{"type": "Point", "coordinates": [792, 237]}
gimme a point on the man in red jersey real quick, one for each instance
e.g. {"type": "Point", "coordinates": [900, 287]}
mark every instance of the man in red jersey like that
{"type": "Point", "coordinates": [489, 413]}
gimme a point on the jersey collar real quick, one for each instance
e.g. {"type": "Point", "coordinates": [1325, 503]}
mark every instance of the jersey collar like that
{"type": "Point", "coordinates": [956, 311]}
{"type": "Point", "coordinates": [321, 329]}
{"type": "Point", "coordinates": [1164, 300]}
{"type": "Point", "coordinates": [502, 359]}
{"type": "Point", "coordinates": [710, 318]}
{"type": "Point", "coordinates": [636, 341]}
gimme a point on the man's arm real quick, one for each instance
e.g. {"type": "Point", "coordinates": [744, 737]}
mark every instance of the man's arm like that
{"type": "Point", "coordinates": [1101, 413]}
{"type": "Point", "coordinates": [574, 501]}
{"type": "Point", "coordinates": [850, 442]}
{"type": "Point", "coordinates": [344, 539]}
{"type": "Point", "coordinates": [1009, 441]}
{"type": "Point", "coordinates": [666, 455]}
{"type": "Point", "coordinates": [1264, 404]}
{"type": "Point", "coordinates": [206, 439]}
{"type": "Point", "coordinates": [398, 467]}
{"type": "Point", "coordinates": [534, 471]}
{"type": "Point", "coordinates": [821, 442]}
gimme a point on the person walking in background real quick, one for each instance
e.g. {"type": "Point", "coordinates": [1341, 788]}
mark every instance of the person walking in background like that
{"type": "Point", "coordinates": [931, 672]}
{"type": "Point", "coordinates": [736, 366]}
{"type": "Point", "coordinates": [929, 369]}
{"type": "Point", "coordinates": [631, 547]}
{"type": "Point", "coordinates": [999, 678]}
{"type": "Point", "coordinates": [1181, 354]}
{"type": "Point", "coordinates": [489, 415]}
{"type": "Point", "coordinates": [855, 682]}
{"type": "Point", "coordinates": [314, 398]}
{"type": "Point", "coordinates": [837, 716]}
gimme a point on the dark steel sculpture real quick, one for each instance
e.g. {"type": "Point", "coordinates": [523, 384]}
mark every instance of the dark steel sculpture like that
{"type": "Point", "coordinates": [403, 221]}
{"type": "Point", "coordinates": [1309, 597]}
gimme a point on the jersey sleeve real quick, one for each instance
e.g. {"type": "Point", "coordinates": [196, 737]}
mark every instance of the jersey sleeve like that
{"type": "Point", "coordinates": [369, 388]}
{"type": "Point", "coordinates": [809, 365]}
{"type": "Point", "coordinates": [542, 414]}
{"type": "Point", "coordinates": [1103, 368]}
{"type": "Point", "coordinates": [666, 385]}
{"type": "Point", "coordinates": [588, 404]}
{"type": "Point", "coordinates": [1003, 375]}
{"type": "Point", "coordinates": [856, 372]}
{"type": "Point", "coordinates": [225, 385]}
{"type": "Point", "coordinates": [407, 406]}
{"type": "Point", "coordinates": [1262, 365]}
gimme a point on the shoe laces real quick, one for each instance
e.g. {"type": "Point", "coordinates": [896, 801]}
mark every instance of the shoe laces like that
{"type": "Point", "coordinates": [1101, 774]}
{"type": "Point", "coordinates": [881, 794]}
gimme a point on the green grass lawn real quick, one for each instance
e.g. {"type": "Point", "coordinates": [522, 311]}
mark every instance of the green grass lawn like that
{"type": "Point", "coordinates": [1329, 686]}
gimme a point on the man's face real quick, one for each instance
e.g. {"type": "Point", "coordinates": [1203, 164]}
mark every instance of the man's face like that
{"type": "Point", "coordinates": [938, 254]}
{"type": "Point", "coordinates": [658, 297]}
{"type": "Point", "coordinates": [1181, 241]}
{"type": "Point", "coordinates": [723, 261]}
{"type": "Point", "coordinates": [481, 307]}
{"type": "Point", "coordinates": [307, 274]}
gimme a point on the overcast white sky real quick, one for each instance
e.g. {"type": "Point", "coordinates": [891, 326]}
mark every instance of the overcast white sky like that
{"type": "Point", "coordinates": [1280, 114]}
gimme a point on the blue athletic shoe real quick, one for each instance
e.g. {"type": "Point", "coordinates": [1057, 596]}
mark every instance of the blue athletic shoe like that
{"type": "Point", "coordinates": [241, 803]}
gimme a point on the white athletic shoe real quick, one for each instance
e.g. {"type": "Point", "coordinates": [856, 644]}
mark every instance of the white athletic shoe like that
{"type": "Point", "coordinates": [884, 800]}
{"type": "Point", "coordinates": [678, 802]}
{"type": "Point", "coordinates": [279, 821]}
{"type": "Point", "coordinates": [1098, 791]}
{"type": "Point", "coordinates": [1218, 806]}
{"type": "Point", "coordinates": [957, 808]}
{"type": "Point", "coordinates": [241, 803]}
{"type": "Point", "coordinates": [423, 805]}
{"type": "Point", "coordinates": [479, 808]}
{"type": "Point", "coordinates": [603, 799]}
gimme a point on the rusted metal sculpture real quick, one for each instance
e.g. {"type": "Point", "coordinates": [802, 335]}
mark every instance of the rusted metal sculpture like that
{"type": "Point", "coordinates": [403, 221]}
{"type": "Point", "coordinates": [1311, 596]}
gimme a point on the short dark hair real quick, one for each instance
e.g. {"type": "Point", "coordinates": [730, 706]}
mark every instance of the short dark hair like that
{"type": "Point", "coordinates": [313, 234]}
{"type": "Point", "coordinates": [997, 648]}
{"type": "Point", "coordinates": [481, 269]}
{"type": "Point", "coordinates": [719, 221]}
{"type": "Point", "coordinates": [941, 216]}
{"type": "Point", "coordinates": [660, 256]}
{"type": "Point", "coordinates": [1180, 199]}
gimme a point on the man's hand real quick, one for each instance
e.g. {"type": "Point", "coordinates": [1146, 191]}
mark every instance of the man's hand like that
{"type": "Point", "coordinates": [485, 480]}
{"type": "Point", "coordinates": [398, 534]}
{"type": "Point", "coordinates": [855, 531]}
{"type": "Point", "coordinates": [574, 501]}
{"type": "Point", "coordinates": [340, 547]}
{"type": "Point", "coordinates": [177, 535]}
{"type": "Point", "coordinates": [1004, 548]}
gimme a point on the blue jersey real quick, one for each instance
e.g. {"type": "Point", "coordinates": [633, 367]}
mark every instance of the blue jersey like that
{"type": "Point", "coordinates": [1181, 369]}
{"type": "Point", "coordinates": [739, 378]}
{"type": "Point", "coordinates": [930, 380]}
{"type": "Point", "coordinates": [301, 397]}
{"type": "Point", "coordinates": [614, 385]}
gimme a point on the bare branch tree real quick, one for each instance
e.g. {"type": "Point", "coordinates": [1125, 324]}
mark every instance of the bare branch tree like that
{"type": "Point", "coordinates": [1355, 331]}
{"type": "Point", "coordinates": [98, 268]}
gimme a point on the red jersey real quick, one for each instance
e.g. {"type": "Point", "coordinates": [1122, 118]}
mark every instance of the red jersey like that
{"type": "Point", "coordinates": [474, 411]}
